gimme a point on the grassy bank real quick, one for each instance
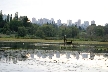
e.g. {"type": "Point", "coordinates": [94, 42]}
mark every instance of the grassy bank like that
{"type": "Point", "coordinates": [90, 42]}
{"type": "Point", "coordinates": [43, 40]}
{"type": "Point", "coordinates": [28, 40]}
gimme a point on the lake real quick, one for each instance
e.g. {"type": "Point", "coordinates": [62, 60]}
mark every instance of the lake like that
{"type": "Point", "coordinates": [52, 57]}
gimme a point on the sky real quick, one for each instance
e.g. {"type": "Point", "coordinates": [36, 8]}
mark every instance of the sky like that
{"type": "Point", "coordinates": [86, 10]}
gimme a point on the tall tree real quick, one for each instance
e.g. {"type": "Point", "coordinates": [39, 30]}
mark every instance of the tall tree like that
{"type": "Point", "coordinates": [26, 22]}
{"type": "Point", "coordinates": [22, 31]}
{"type": "Point", "coordinates": [1, 17]}
{"type": "Point", "coordinates": [6, 29]}
{"type": "Point", "coordinates": [91, 30]}
{"type": "Point", "coordinates": [99, 31]}
{"type": "Point", "coordinates": [11, 17]}
{"type": "Point", "coordinates": [8, 18]}
{"type": "Point", "coordinates": [106, 29]}
{"type": "Point", "coordinates": [72, 32]}
{"type": "Point", "coordinates": [14, 24]}
{"type": "Point", "coordinates": [1, 20]}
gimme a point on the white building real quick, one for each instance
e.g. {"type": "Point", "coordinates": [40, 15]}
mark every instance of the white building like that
{"type": "Point", "coordinates": [76, 23]}
{"type": "Point", "coordinates": [4, 17]}
{"type": "Point", "coordinates": [69, 22]}
{"type": "Point", "coordinates": [92, 22]}
{"type": "Point", "coordinates": [52, 21]}
{"type": "Point", "coordinates": [33, 20]}
{"type": "Point", "coordinates": [41, 21]}
{"type": "Point", "coordinates": [45, 21]}
{"type": "Point", "coordinates": [1, 12]}
{"type": "Point", "coordinates": [59, 22]}
{"type": "Point", "coordinates": [49, 21]}
{"type": "Point", "coordinates": [79, 23]}
{"type": "Point", "coordinates": [86, 23]}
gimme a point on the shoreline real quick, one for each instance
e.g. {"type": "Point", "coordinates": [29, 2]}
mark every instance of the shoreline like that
{"type": "Point", "coordinates": [47, 41]}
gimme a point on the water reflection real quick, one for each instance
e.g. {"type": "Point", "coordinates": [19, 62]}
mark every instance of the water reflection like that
{"type": "Point", "coordinates": [24, 54]}
{"type": "Point", "coordinates": [92, 55]}
{"type": "Point", "coordinates": [39, 57]}
{"type": "Point", "coordinates": [77, 54]}
{"type": "Point", "coordinates": [34, 60]}
{"type": "Point", "coordinates": [57, 54]}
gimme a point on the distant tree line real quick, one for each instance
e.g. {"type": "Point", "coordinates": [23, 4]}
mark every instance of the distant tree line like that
{"type": "Point", "coordinates": [25, 29]}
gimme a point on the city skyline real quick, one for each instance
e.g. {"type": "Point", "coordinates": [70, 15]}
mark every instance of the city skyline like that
{"type": "Point", "coordinates": [86, 10]}
{"type": "Point", "coordinates": [45, 20]}
{"type": "Point", "coordinates": [78, 23]}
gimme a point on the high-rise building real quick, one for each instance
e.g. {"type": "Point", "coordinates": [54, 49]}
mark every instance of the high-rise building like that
{"type": "Point", "coordinates": [69, 22]}
{"type": "Point", "coordinates": [45, 21]}
{"type": "Point", "coordinates": [4, 17]}
{"type": "Point", "coordinates": [86, 23]}
{"type": "Point", "coordinates": [33, 20]}
{"type": "Point", "coordinates": [59, 22]}
{"type": "Point", "coordinates": [49, 21]}
{"type": "Point", "coordinates": [52, 21]}
{"type": "Point", "coordinates": [76, 23]}
{"type": "Point", "coordinates": [79, 23]}
{"type": "Point", "coordinates": [92, 22]}
{"type": "Point", "coordinates": [38, 22]}
{"type": "Point", "coordinates": [1, 12]}
{"type": "Point", "coordinates": [41, 21]}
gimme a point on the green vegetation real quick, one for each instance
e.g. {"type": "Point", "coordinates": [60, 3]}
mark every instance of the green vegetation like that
{"type": "Point", "coordinates": [22, 28]}
{"type": "Point", "coordinates": [28, 40]}
{"type": "Point", "coordinates": [43, 40]}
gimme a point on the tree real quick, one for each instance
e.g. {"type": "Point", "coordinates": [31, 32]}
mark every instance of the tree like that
{"type": "Point", "coordinates": [26, 22]}
{"type": "Point", "coordinates": [1, 20]}
{"type": "Point", "coordinates": [8, 18]}
{"type": "Point", "coordinates": [99, 31]}
{"type": "Point", "coordinates": [21, 31]}
{"type": "Point", "coordinates": [11, 18]}
{"type": "Point", "coordinates": [14, 24]}
{"type": "Point", "coordinates": [1, 17]}
{"type": "Point", "coordinates": [72, 32]}
{"type": "Point", "coordinates": [6, 29]}
{"type": "Point", "coordinates": [106, 29]}
{"type": "Point", "coordinates": [62, 31]}
{"type": "Point", "coordinates": [48, 30]}
{"type": "Point", "coordinates": [91, 31]}
{"type": "Point", "coordinates": [40, 33]}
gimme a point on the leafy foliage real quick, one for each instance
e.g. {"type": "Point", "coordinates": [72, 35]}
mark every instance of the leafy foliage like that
{"type": "Point", "coordinates": [21, 31]}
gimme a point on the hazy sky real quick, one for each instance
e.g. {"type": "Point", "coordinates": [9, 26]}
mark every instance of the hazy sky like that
{"type": "Point", "coordinates": [59, 9]}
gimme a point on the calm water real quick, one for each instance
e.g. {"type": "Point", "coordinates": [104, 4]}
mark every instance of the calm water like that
{"type": "Point", "coordinates": [37, 57]}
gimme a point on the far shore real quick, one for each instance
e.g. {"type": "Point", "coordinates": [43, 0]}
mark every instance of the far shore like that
{"type": "Point", "coordinates": [43, 40]}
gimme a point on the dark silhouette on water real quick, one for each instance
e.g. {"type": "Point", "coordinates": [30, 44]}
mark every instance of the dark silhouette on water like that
{"type": "Point", "coordinates": [64, 40]}
{"type": "Point", "coordinates": [67, 42]}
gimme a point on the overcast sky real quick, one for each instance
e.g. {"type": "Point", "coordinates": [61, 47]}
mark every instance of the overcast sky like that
{"type": "Point", "coordinates": [59, 9]}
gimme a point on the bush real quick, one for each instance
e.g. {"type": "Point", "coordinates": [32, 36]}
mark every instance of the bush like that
{"type": "Point", "coordinates": [8, 33]}
{"type": "Point", "coordinates": [52, 38]}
